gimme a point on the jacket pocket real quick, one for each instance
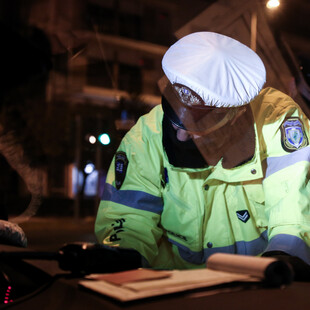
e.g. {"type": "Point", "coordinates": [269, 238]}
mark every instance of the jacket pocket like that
{"type": "Point", "coordinates": [181, 221]}
{"type": "Point", "coordinates": [256, 199]}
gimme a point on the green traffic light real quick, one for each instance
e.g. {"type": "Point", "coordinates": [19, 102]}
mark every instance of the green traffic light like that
{"type": "Point", "coordinates": [104, 139]}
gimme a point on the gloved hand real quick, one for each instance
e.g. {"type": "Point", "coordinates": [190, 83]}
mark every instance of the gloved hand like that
{"type": "Point", "coordinates": [300, 268]}
{"type": "Point", "coordinates": [97, 258]}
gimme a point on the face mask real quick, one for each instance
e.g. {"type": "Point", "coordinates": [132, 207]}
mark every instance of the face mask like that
{"type": "Point", "coordinates": [180, 153]}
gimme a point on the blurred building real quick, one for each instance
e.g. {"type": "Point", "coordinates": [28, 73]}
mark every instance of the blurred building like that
{"type": "Point", "coordinates": [280, 37]}
{"type": "Point", "coordinates": [106, 57]}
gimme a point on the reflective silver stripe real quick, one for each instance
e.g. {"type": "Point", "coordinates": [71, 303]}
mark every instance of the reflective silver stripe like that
{"type": "Point", "coordinates": [291, 245]}
{"type": "Point", "coordinates": [275, 164]}
{"type": "Point", "coordinates": [253, 247]}
{"type": "Point", "coordinates": [133, 199]}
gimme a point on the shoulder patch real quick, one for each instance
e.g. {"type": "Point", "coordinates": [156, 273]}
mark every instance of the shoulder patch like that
{"type": "Point", "coordinates": [121, 164]}
{"type": "Point", "coordinates": [293, 135]}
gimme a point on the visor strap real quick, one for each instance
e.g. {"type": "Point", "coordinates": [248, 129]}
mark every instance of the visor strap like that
{"type": "Point", "coordinates": [228, 117]}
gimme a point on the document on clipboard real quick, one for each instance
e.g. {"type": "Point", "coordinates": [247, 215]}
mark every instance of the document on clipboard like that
{"type": "Point", "coordinates": [221, 269]}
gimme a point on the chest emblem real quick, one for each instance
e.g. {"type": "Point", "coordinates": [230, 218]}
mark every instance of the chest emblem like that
{"type": "Point", "coordinates": [243, 215]}
{"type": "Point", "coordinates": [293, 134]}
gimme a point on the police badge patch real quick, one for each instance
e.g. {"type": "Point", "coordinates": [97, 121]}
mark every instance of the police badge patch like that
{"type": "Point", "coordinates": [121, 163]}
{"type": "Point", "coordinates": [293, 135]}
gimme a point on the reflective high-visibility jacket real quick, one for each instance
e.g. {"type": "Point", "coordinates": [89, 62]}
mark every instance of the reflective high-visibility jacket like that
{"type": "Point", "coordinates": [176, 217]}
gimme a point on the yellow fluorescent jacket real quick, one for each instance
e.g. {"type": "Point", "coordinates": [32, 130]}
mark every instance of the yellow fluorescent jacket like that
{"type": "Point", "coordinates": [177, 217]}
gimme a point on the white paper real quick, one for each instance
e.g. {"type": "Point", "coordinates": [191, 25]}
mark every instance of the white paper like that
{"type": "Point", "coordinates": [180, 280]}
{"type": "Point", "coordinates": [221, 269]}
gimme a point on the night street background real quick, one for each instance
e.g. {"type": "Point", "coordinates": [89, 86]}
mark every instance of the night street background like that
{"type": "Point", "coordinates": [51, 233]}
{"type": "Point", "coordinates": [75, 71]}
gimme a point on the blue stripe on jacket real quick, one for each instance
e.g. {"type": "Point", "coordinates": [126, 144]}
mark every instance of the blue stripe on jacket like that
{"type": "Point", "coordinates": [291, 245]}
{"type": "Point", "coordinates": [254, 247]}
{"type": "Point", "coordinates": [133, 199]}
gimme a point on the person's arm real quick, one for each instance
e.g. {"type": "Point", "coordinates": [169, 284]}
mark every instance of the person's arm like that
{"type": "Point", "coordinates": [287, 192]}
{"type": "Point", "coordinates": [131, 206]}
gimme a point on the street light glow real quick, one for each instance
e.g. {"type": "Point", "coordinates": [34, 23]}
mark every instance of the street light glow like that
{"type": "Point", "coordinates": [92, 139]}
{"type": "Point", "coordinates": [271, 4]}
{"type": "Point", "coordinates": [89, 168]}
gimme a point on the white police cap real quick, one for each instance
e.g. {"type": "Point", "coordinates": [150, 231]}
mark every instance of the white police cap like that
{"type": "Point", "coordinates": [221, 70]}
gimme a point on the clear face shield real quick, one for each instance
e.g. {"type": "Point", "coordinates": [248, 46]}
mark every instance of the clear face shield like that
{"type": "Point", "coordinates": [218, 133]}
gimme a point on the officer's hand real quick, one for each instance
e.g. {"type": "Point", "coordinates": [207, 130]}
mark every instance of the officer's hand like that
{"type": "Point", "coordinates": [300, 268]}
{"type": "Point", "coordinates": [88, 258]}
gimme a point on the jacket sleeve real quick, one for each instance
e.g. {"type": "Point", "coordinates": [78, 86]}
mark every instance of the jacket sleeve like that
{"type": "Point", "coordinates": [131, 206]}
{"type": "Point", "coordinates": [286, 184]}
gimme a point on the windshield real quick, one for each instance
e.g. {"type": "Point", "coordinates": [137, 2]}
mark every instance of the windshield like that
{"type": "Point", "coordinates": [76, 76]}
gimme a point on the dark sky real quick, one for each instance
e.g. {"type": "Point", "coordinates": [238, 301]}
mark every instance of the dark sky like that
{"type": "Point", "coordinates": [293, 16]}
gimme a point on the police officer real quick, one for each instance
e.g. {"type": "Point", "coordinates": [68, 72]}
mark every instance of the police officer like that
{"type": "Point", "coordinates": [221, 166]}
